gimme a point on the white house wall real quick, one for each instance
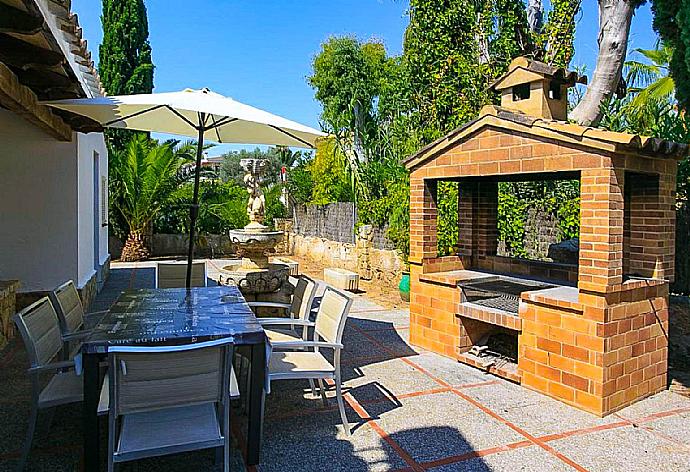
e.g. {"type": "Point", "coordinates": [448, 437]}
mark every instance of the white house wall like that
{"type": "Point", "coordinates": [87, 145]}
{"type": "Point", "coordinates": [38, 205]}
{"type": "Point", "coordinates": [47, 206]}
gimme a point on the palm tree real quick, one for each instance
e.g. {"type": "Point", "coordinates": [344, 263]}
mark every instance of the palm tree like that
{"type": "Point", "coordinates": [651, 82]}
{"type": "Point", "coordinates": [146, 173]}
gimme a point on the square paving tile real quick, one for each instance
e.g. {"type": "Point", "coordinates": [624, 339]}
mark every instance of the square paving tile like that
{"type": "Point", "coordinates": [289, 397]}
{"type": "Point", "coordinates": [357, 346]}
{"type": "Point", "coordinates": [317, 442]}
{"type": "Point", "coordinates": [65, 459]}
{"type": "Point", "coordinates": [361, 304]}
{"type": "Point", "coordinates": [203, 460]}
{"type": "Point", "coordinates": [662, 401]}
{"type": "Point", "coordinates": [394, 317]}
{"type": "Point", "coordinates": [627, 448]}
{"type": "Point", "coordinates": [393, 376]}
{"type": "Point", "coordinates": [450, 370]}
{"type": "Point", "coordinates": [526, 459]}
{"type": "Point", "coordinates": [676, 427]}
{"type": "Point", "coordinates": [395, 341]}
{"type": "Point", "coordinates": [535, 413]}
{"type": "Point", "coordinates": [435, 426]}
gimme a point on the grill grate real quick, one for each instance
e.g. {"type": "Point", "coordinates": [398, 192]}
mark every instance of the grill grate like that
{"type": "Point", "coordinates": [498, 292]}
{"type": "Point", "coordinates": [509, 304]}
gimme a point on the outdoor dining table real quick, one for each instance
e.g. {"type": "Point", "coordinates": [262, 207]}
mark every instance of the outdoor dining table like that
{"type": "Point", "coordinates": [159, 317]}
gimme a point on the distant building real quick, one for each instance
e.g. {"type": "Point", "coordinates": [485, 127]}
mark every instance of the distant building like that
{"type": "Point", "coordinates": [53, 177]}
{"type": "Point", "coordinates": [212, 163]}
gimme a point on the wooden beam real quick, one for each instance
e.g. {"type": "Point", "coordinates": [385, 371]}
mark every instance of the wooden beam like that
{"type": "Point", "coordinates": [13, 20]}
{"type": "Point", "coordinates": [17, 53]}
{"type": "Point", "coordinates": [39, 79]}
{"type": "Point", "coordinates": [80, 123]}
{"type": "Point", "coordinates": [21, 100]}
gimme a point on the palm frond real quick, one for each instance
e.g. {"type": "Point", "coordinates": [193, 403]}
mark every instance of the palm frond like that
{"type": "Point", "coordinates": [148, 173]}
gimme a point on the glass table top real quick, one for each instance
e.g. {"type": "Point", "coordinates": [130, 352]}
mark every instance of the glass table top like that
{"type": "Point", "coordinates": [176, 316]}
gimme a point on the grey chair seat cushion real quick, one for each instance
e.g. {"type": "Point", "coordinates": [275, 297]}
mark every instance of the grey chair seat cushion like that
{"type": "Point", "coordinates": [296, 363]}
{"type": "Point", "coordinates": [234, 386]}
{"type": "Point", "coordinates": [276, 336]}
{"type": "Point", "coordinates": [104, 400]}
{"type": "Point", "coordinates": [63, 388]}
{"type": "Point", "coordinates": [171, 428]}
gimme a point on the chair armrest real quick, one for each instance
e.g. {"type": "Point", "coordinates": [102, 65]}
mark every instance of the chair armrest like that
{"type": "Point", "coordinates": [269, 304]}
{"type": "Point", "coordinates": [53, 366]}
{"type": "Point", "coordinates": [301, 344]}
{"type": "Point", "coordinates": [77, 335]}
{"type": "Point", "coordinates": [284, 321]}
{"type": "Point", "coordinates": [101, 312]}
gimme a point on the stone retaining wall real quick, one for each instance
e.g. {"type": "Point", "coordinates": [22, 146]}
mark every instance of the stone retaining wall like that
{"type": "Point", "coordinates": [208, 245]}
{"type": "Point", "coordinates": [369, 263]}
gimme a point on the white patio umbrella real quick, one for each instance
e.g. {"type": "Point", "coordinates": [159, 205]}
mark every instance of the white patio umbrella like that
{"type": "Point", "coordinates": [193, 113]}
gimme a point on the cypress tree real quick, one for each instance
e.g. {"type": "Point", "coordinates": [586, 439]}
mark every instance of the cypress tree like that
{"type": "Point", "coordinates": [125, 68]}
{"type": "Point", "coordinates": [672, 22]}
{"type": "Point", "coordinates": [125, 64]}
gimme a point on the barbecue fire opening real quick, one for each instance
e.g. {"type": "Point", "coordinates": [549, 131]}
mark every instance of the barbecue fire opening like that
{"type": "Point", "coordinates": [498, 347]}
{"type": "Point", "coordinates": [495, 352]}
{"type": "Point", "coordinates": [500, 292]}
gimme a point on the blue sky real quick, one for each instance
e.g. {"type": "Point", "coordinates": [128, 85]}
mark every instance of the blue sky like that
{"type": "Point", "coordinates": [260, 51]}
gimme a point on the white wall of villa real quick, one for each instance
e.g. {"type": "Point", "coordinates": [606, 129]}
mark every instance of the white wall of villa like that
{"type": "Point", "coordinates": [49, 222]}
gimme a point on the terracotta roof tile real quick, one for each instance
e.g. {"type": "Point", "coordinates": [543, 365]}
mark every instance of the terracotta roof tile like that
{"type": "Point", "coordinates": [496, 116]}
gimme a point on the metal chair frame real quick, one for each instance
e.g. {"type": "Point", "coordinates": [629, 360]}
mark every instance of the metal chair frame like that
{"type": "Point", "coordinates": [72, 320]}
{"type": "Point", "coordinates": [183, 273]}
{"type": "Point", "coordinates": [300, 311]}
{"type": "Point", "coordinates": [40, 330]}
{"type": "Point", "coordinates": [331, 332]}
{"type": "Point", "coordinates": [222, 403]}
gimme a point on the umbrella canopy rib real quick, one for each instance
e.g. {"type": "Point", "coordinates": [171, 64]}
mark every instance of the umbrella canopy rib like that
{"type": "Point", "coordinates": [183, 118]}
{"type": "Point", "coordinates": [147, 112]}
{"type": "Point", "coordinates": [291, 135]}
{"type": "Point", "coordinates": [133, 115]}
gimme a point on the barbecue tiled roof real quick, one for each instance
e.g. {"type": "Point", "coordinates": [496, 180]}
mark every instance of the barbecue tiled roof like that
{"type": "Point", "coordinates": [512, 121]}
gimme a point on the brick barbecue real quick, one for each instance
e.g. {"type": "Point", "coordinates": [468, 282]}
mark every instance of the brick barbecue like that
{"type": "Point", "coordinates": [592, 334]}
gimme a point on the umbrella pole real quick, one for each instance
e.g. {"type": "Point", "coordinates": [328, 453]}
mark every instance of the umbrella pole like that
{"type": "Point", "coordinates": [194, 209]}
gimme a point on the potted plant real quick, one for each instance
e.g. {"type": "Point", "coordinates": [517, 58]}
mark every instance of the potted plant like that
{"type": "Point", "coordinates": [404, 285]}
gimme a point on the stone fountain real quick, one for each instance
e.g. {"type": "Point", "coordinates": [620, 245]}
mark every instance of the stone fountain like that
{"type": "Point", "coordinates": [254, 274]}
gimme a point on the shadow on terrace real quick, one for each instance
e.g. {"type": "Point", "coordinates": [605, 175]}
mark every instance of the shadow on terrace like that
{"type": "Point", "coordinates": [300, 433]}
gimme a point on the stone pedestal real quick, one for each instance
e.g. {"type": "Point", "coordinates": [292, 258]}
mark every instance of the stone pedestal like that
{"type": "Point", "coordinates": [8, 297]}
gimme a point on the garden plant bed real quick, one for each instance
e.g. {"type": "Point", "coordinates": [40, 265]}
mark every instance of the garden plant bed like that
{"type": "Point", "coordinates": [679, 345]}
{"type": "Point", "coordinates": [384, 294]}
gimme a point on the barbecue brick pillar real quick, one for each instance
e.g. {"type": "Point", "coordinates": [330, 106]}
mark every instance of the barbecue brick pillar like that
{"type": "Point", "coordinates": [467, 192]}
{"type": "Point", "coordinates": [649, 239]}
{"type": "Point", "coordinates": [486, 219]}
{"type": "Point", "coordinates": [423, 220]}
{"type": "Point", "coordinates": [477, 220]}
{"type": "Point", "coordinates": [601, 229]}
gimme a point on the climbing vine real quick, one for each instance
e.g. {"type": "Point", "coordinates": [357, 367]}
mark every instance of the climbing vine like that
{"type": "Point", "coordinates": [382, 109]}
{"type": "Point", "coordinates": [557, 42]}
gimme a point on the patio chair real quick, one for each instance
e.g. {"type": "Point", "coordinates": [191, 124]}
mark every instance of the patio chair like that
{"type": "Point", "coordinates": [39, 327]}
{"type": "Point", "coordinates": [312, 365]}
{"type": "Point", "coordinates": [299, 311]}
{"type": "Point", "coordinates": [70, 313]}
{"type": "Point", "coordinates": [168, 400]}
{"type": "Point", "coordinates": [174, 274]}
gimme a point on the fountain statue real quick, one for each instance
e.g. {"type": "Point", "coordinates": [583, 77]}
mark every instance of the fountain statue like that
{"type": "Point", "coordinates": [254, 274]}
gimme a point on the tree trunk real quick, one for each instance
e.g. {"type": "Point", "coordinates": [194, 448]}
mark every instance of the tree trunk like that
{"type": "Point", "coordinates": [535, 15]}
{"type": "Point", "coordinates": [135, 249]}
{"type": "Point", "coordinates": [614, 27]}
